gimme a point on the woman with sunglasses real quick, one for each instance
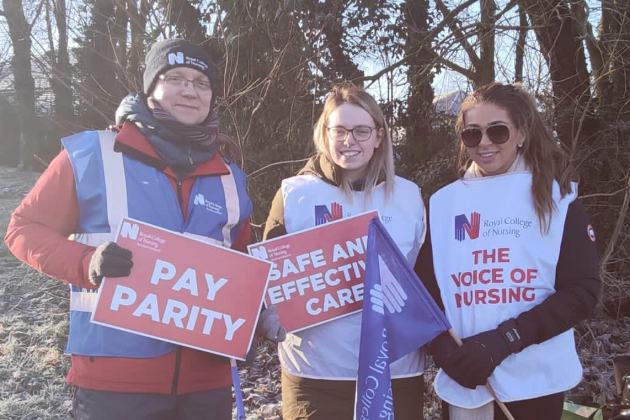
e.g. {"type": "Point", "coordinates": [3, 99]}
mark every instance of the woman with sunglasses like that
{"type": "Point", "coordinates": [512, 255]}
{"type": "Point", "coordinates": [352, 173]}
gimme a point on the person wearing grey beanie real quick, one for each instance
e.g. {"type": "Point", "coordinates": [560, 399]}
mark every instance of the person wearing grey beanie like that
{"type": "Point", "coordinates": [171, 53]}
{"type": "Point", "coordinates": [175, 110]}
{"type": "Point", "coordinates": [162, 164]}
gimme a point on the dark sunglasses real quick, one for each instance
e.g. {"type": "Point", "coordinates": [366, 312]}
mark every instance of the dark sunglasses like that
{"type": "Point", "coordinates": [498, 134]}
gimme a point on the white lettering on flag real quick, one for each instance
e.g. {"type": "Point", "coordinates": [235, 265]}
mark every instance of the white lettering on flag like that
{"type": "Point", "coordinates": [389, 293]}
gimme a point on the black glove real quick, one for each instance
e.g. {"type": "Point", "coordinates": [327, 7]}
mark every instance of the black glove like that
{"type": "Point", "coordinates": [269, 325]}
{"type": "Point", "coordinates": [441, 347]}
{"type": "Point", "coordinates": [109, 260]}
{"type": "Point", "coordinates": [472, 364]}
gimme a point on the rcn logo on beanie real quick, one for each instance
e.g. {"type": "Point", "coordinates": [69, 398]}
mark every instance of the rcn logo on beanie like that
{"type": "Point", "coordinates": [180, 58]}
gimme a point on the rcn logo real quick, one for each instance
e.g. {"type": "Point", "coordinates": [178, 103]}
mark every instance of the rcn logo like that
{"type": "Point", "coordinates": [179, 58]}
{"type": "Point", "coordinates": [129, 230]}
{"type": "Point", "coordinates": [260, 252]}
{"type": "Point", "coordinates": [464, 227]}
{"type": "Point", "coordinates": [200, 199]}
{"type": "Point", "coordinates": [324, 215]}
{"type": "Point", "coordinates": [175, 58]}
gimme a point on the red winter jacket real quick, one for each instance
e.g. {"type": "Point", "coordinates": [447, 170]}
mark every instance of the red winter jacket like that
{"type": "Point", "coordinates": [38, 235]}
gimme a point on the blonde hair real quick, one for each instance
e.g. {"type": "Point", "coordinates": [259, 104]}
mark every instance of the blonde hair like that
{"type": "Point", "coordinates": [381, 165]}
{"type": "Point", "coordinates": [541, 153]}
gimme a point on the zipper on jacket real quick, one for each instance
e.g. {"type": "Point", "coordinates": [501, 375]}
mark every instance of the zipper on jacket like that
{"type": "Point", "coordinates": [180, 197]}
{"type": "Point", "coordinates": [178, 359]}
{"type": "Point", "coordinates": [178, 354]}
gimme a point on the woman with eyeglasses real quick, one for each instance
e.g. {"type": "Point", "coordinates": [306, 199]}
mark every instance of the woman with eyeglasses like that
{"type": "Point", "coordinates": [512, 258]}
{"type": "Point", "coordinates": [162, 155]}
{"type": "Point", "coordinates": [352, 173]}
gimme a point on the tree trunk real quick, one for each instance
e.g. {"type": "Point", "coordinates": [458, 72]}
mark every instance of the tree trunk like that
{"type": "Point", "coordinates": [186, 18]}
{"type": "Point", "coordinates": [520, 45]}
{"type": "Point", "coordinates": [20, 33]}
{"type": "Point", "coordinates": [420, 101]}
{"type": "Point", "coordinates": [341, 65]}
{"type": "Point", "coordinates": [486, 44]}
{"type": "Point", "coordinates": [585, 31]}
{"type": "Point", "coordinates": [617, 41]}
{"type": "Point", "coordinates": [138, 21]}
{"type": "Point", "coordinates": [102, 92]}
{"type": "Point", "coordinates": [61, 80]}
{"type": "Point", "coordinates": [565, 57]}
{"type": "Point", "coordinates": [118, 35]}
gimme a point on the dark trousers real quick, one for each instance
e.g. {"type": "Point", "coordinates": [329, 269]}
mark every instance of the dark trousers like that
{"type": "Point", "coordinates": [315, 399]}
{"type": "Point", "coordinates": [548, 407]}
{"type": "Point", "coordinates": [89, 404]}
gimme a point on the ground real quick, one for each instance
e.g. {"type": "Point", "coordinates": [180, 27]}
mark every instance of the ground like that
{"type": "Point", "coordinates": [34, 329]}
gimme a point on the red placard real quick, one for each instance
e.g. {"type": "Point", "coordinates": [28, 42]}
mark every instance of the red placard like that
{"type": "Point", "coordinates": [184, 291]}
{"type": "Point", "coordinates": [317, 275]}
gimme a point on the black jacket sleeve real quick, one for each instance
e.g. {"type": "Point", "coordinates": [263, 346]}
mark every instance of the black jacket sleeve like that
{"type": "Point", "coordinates": [424, 266]}
{"type": "Point", "coordinates": [577, 283]}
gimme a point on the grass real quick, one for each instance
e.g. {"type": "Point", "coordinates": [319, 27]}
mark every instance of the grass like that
{"type": "Point", "coordinates": [33, 332]}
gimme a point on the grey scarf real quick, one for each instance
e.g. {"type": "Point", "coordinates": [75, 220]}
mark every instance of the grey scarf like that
{"type": "Point", "coordinates": [183, 149]}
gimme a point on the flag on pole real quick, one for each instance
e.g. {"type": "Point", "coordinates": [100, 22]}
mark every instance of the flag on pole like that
{"type": "Point", "coordinates": [399, 316]}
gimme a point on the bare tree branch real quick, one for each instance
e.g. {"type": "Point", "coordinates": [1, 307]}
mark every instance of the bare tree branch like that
{"type": "Point", "coordinates": [466, 72]}
{"type": "Point", "coordinates": [618, 226]}
{"type": "Point", "coordinates": [470, 51]}
{"type": "Point", "coordinates": [508, 7]}
{"type": "Point", "coordinates": [448, 18]}
{"type": "Point", "coordinates": [585, 29]}
{"type": "Point", "coordinates": [37, 12]}
{"type": "Point", "coordinates": [516, 28]}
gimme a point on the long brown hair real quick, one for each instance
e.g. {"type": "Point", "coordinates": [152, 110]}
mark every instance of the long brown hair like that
{"type": "Point", "coordinates": [541, 151]}
{"type": "Point", "coordinates": [381, 164]}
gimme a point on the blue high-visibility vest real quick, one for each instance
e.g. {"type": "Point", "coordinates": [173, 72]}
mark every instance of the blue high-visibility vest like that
{"type": "Point", "coordinates": [110, 186]}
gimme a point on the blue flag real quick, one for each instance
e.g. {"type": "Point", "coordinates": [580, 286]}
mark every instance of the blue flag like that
{"type": "Point", "coordinates": [399, 316]}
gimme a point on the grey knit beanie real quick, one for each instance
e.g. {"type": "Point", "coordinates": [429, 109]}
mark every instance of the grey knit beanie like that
{"type": "Point", "coordinates": [172, 53]}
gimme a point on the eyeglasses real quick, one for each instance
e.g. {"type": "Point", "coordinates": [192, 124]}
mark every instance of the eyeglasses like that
{"type": "Point", "coordinates": [360, 133]}
{"type": "Point", "coordinates": [497, 134]}
{"type": "Point", "coordinates": [178, 82]}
